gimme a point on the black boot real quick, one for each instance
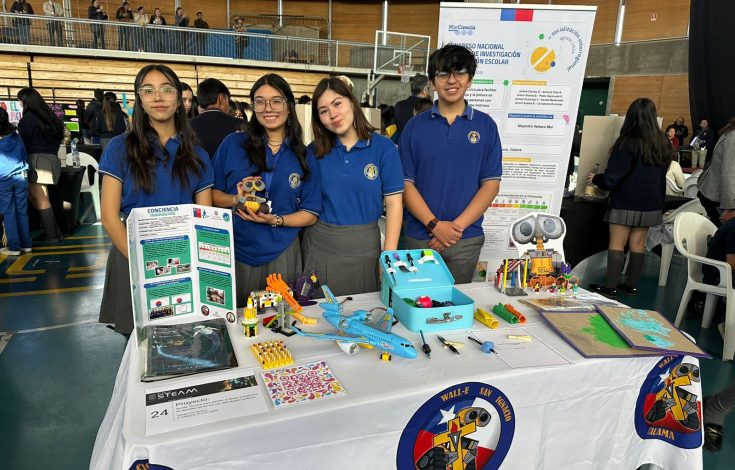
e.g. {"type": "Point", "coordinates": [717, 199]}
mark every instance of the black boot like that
{"type": "Point", "coordinates": [52, 232]}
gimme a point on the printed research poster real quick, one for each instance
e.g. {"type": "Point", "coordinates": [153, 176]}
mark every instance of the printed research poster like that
{"type": "Point", "coordinates": [530, 72]}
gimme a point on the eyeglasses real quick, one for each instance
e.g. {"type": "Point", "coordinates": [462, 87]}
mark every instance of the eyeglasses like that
{"type": "Point", "coordinates": [458, 75]}
{"type": "Point", "coordinates": [276, 104]}
{"type": "Point", "coordinates": [166, 92]}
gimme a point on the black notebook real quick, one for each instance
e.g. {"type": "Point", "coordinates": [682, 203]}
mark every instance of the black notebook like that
{"type": "Point", "coordinates": [188, 348]}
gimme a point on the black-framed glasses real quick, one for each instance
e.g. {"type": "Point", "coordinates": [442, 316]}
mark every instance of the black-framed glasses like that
{"type": "Point", "coordinates": [458, 75]}
{"type": "Point", "coordinates": [276, 104]}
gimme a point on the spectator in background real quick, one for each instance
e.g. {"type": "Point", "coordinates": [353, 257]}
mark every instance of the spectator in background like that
{"type": "Point", "coordinates": [236, 109]}
{"type": "Point", "coordinates": [187, 96]}
{"type": "Point", "coordinates": [681, 130]}
{"type": "Point", "coordinates": [181, 19]}
{"type": "Point", "coordinates": [201, 40]}
{"type": "Point", "coordinates": [83, 125]}
{"type": "Point", "coordinates": [304, 99]}
{"type": "Point", "coordinates": [421, 105]}
{"type": "Point", "coordinates": [55, 28]}
{"type": "Point", "coordinates": [636, 179]}
{"type": "Point", "coordinates": [387, 121]}
{"type": "Point", "coordinates": [97, 12]}
{"type": "Point", "coordinates": [22, 25]}
{"type": "Point", "coordinates": [125, 15]}
{"type": "Point", "coordinates": [404, 109]}
{"type": "Point", "coordinates": [214, 123]}
{"type": "Point", "coordinates": [716, 184]}
{"type": "Point", "coordinates": [114, 120]}
{"type": "Point", "coordinates": [701, 144]}
{"type": "Point", "coordinates": [140, 17]}
{"type": "Point", "coordinates": [42, 133]}
{"type": "Point", "coordinates": [13, 189]}
{"type": "Point", "coordinates": [241, 40]}
{"type": "Point", "coordinates": [671, 135]}
{"type": "Point", "coordinates": [156, 35]}
{"type": "Point", "coordinates": [92, 116]}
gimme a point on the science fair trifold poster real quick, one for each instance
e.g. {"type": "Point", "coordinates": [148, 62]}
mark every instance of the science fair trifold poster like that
{"type": "Point", "coordinates": [531, 63]}
{"type": "Point", "coordinates": [182, 265]}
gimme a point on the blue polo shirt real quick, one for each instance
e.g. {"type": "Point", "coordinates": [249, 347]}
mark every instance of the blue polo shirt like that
{"type": "Point", "coordinates": [259, 244]}
{"type": "Point", "coordinates": [167, 189]}
{"type": "Point", "coordinates": [448, 164]}
{"type": "Point", "coordinates": [355, 181]}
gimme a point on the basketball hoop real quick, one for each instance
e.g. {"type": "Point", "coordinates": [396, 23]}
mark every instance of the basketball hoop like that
{"type": "Point", "coordinates": [406, 70]}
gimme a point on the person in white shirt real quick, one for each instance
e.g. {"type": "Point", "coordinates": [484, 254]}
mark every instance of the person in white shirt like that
{"type": "Point", "coordinates": [55, 28]}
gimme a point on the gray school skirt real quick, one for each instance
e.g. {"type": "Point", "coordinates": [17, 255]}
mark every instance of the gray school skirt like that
{"type": "Point", "coordinates": [117, 304]}
{"type": "Point", "coordinates": [251, 278]}
{"type": "Point", "coordinates": [633, 218]}
{"type": "Point", "coordinates": [345, 257]}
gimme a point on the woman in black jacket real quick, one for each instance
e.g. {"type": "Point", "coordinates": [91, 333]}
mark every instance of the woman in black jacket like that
{"type": "Point", "coordinates": [636, 179]}
{"type": "Point", "coordinates": [42, 133]}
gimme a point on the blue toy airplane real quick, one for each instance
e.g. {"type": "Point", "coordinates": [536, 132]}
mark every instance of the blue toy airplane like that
{"type": "Point", "coordinates": [357, 329]}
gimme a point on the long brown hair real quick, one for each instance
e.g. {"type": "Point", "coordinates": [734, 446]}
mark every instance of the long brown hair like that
{"type": "Point", "coordinates": [642, 136]}
{"type": "Point", "coordinates": [140, 144]}
{"type": "Point", "coordinates": [324, 139]}
{"type": "Point", "coordinates": [728, 127]}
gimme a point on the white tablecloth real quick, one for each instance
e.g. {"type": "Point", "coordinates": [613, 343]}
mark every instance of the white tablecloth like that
{"type": "Point", "coordinates": [580, 415]}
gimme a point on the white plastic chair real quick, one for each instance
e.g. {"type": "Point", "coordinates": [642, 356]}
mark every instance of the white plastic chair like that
{"type": "Point", "coordinates": [692, 232]}
{"type": "Point", "coordinates": [690, 186]}
{"type": "Point", "coordinates": [672, 187]}
{"type": "Point", "coordinates": [86, 160]}
{"type": "Point", "coordinates": [667, 249]}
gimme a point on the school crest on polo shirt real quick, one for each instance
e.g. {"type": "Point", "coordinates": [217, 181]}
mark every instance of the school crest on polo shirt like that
{"type": "Point", "coordinates": [294, 180]}
{"type": "Point", "coordinates": [466, 426]}
{"type": "Point", "coordinates": [668, 407]}
{"type": "Point", "coordinates": [473, 137]}
{"type": "Point", "coordinates": [370, 171]}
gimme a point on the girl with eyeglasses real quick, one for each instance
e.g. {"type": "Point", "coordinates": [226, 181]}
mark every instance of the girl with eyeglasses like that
{"type": "Point", "coordinates": [269, 161]}
{"type": "Point", "coordinates": [157, 163]}
{"type": "Point", "coordinates": [360, 173]}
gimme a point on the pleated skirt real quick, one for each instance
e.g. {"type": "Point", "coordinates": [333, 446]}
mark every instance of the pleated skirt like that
{"type": "Point", "coordinates": [345, 257]}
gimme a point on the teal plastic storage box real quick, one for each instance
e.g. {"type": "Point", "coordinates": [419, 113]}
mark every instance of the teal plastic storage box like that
{"type": "Point", "coordinates": [424, 278]}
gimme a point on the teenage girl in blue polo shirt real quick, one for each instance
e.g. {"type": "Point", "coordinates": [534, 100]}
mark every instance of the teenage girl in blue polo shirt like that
{"type": "Point", "coordinates": [156, 164]}
{"type": "Point", "coordinates": [361, 173]}
{"type": "Point", "coordinates": [274, 153]}
{"type": "Point", "coordinates": [451, 158]}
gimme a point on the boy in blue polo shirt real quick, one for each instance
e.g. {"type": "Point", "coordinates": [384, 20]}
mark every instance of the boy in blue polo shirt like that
{"type": "Point", "coordinates": [452, 166]}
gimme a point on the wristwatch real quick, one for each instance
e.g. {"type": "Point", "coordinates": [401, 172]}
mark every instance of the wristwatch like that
{"type": "Point", "coordinates": [432, 223]}
{"type": "Point", "coordinates": [279, 221]}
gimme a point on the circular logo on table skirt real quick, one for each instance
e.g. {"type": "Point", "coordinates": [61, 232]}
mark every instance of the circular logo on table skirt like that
{"type": "Point", "coordinates": [668, 406]}
{"type": "Point", "coordinates": [467, 426]}
{"type": "Point", "coordinates": [473, 137]}
{"type": "Point", "coordinates": [370, 171]}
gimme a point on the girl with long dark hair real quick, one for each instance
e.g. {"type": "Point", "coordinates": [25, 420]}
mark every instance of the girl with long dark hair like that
{"type": "Point", "coordinates": [42, 133]}
{"type": "Point", "coordinates": [360, 174]}
{"type": "Point", "coordinates": [270, 161]}
{"type": "Point", "coordinates": [189, 98]}
{"type": "Point", "coordinates": [636, 179]}
{"type": "Point", "coordinates": [114, 119]}
{"type": "Point", "coordinates": [156, 164]}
